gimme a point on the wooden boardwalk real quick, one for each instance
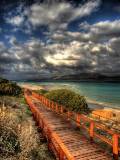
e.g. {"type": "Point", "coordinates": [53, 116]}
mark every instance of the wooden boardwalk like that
{"type": "Point", "coordinates": [63, 139]}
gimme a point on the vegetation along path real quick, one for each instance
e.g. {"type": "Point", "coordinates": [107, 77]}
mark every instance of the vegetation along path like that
{"type": "Point", "coordinates": [63, 139]}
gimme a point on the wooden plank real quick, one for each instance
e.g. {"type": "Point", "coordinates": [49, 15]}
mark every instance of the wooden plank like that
{"type": "Point", "coordinates": [65, 139]}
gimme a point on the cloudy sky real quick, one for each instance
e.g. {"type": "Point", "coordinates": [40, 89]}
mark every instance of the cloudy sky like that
{"type": "Point", "coordinates": [45, 38]}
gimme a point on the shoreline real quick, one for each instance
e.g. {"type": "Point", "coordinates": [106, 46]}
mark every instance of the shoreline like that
{"type": "Point", "coordinates": [31, 86]}
{"type": "Point", "coordinates": [92, 103]}
{"type": "Point", "coordinates": [101, 105]}
{"type": "Point", "coordinates": [98, 108]}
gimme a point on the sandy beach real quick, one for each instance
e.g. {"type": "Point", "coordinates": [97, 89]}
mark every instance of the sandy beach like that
{"type": "Point", "coordinates": [99, 109]}
{"type": "Point", "coordinates": [31, 86]}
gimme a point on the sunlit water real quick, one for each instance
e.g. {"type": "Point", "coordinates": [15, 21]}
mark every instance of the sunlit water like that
{"type": "Point", "coordinates": [104, 94]}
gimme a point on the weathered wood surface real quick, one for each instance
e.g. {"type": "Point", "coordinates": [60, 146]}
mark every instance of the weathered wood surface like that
{"type": "Point", "coordinates": [64, 140]}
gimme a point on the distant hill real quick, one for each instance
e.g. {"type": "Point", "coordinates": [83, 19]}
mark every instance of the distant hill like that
{"type": "Point", "coordinates": [9, 88]}
{"type": "Point", "coordinates": [88, 77]}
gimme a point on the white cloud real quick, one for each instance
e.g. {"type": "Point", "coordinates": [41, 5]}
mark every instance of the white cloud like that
{"type": "Point", "coordinates": [12, 40]}
{"type": "Point", "coordinates": [103, 27]}
{"type": "Point", "coordinates": [34, 57]}
{"type": "Point", "coordinates": [85, 9]}
{"type": "Point", "coordinates": [65, 54]}
{"type": "Point", "coordinates": [59, 15]}
{"type": "Point", "coordinates": [95, 49]}
{"type": "Point", "coordinates": [16, 20]}
{"type": "Point", "coordinates": [2, 46]}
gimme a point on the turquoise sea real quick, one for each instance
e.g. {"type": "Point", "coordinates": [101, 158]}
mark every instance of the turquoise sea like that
{"type": "Point", "coordinates": [97, 94]}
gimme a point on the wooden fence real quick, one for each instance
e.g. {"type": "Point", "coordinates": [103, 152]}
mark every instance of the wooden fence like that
{"type": "Point", "coordinates": [94, 129]}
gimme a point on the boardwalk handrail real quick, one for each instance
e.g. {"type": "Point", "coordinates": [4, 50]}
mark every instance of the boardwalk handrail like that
{"type": "Point", "coordinates": [86, 123]}
{"type": "Point", "coordinates": [63, 151]}
{"type": "Point", "coordinates": [63, 147]}
{"type": "Point", "coordinates": [99, 117]}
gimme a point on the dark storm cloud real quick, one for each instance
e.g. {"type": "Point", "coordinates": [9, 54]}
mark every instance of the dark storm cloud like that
{"type": "Point", "coordinates": [26, 59]}
{"type": "Point", "coordinates": [92, 48]}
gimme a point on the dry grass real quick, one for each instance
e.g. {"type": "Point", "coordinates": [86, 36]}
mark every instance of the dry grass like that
{"type": "Point", "coordinates": [109, 117]}
{"type": "Point", "coordinates": [16, 120]}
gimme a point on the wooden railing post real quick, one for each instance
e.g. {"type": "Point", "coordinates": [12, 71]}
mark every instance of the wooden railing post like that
{"type": "Point", "coordinates": [43, 100]}
{"type": "Point", "coordinates": [49, 104]}
{"type": "Point", "coordinates": [61, 110]}
{"type": "Point", "coordinates": [52, 105]}
{"type": "Point", "coordinates": [78, 120]}
{"type": "Point", "coordinates": [40, 97]}
{"type": "Point", "coordinates": [115, 146]}
{"type": "Point", "coordinates": [61, 155]}
{"type": "Point", "coordinates": [68, 115]}
{"type": "Point", "coordinates": [46, 101]}
{"type": "Point", "coordinates": [56, 107]}
{"type": "Point", "coordinates": [91, 130]}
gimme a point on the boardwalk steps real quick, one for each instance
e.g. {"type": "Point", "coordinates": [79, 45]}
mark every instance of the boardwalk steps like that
{"type": "Point", "coordinates": [63, 140]}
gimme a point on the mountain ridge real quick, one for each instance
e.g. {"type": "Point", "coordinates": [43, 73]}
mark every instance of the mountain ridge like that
{"type": "Point", "coordinates": [93, 77]}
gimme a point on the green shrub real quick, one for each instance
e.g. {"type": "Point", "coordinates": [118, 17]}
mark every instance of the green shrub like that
{"type": "Point", "coordinates": [69, 99]}
{"type": "Point", "coordinates": [78, 104]}
{"type": "Point", "coordinates": [23, 100]}
{"type": "Point", "coordinates": [28, 111]}
{"type": "Point", "coordinates": [9, 88]}
{"type": "Point", "coordinates": [41, 154]}
{"type": "Point", "coordinates": [42, 91]}
{"type": "Point", "coordinates": [9, 144]}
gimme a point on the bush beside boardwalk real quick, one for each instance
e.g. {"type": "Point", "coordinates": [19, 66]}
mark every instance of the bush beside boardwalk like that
{"type": "Point", "coordinates": [19, 139]}
{"type": "Point", "coordinates": [77, 103]}
{"type": "Point", "coordinates": [18, 134]}
{"type": "Point", "coordinates": [9, 88]}
{"type": "Point", "coordinates": [71, 100]}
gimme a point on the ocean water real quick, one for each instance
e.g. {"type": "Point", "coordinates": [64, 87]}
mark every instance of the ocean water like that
{"type": "Point", "coordinates": [97, 94]}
